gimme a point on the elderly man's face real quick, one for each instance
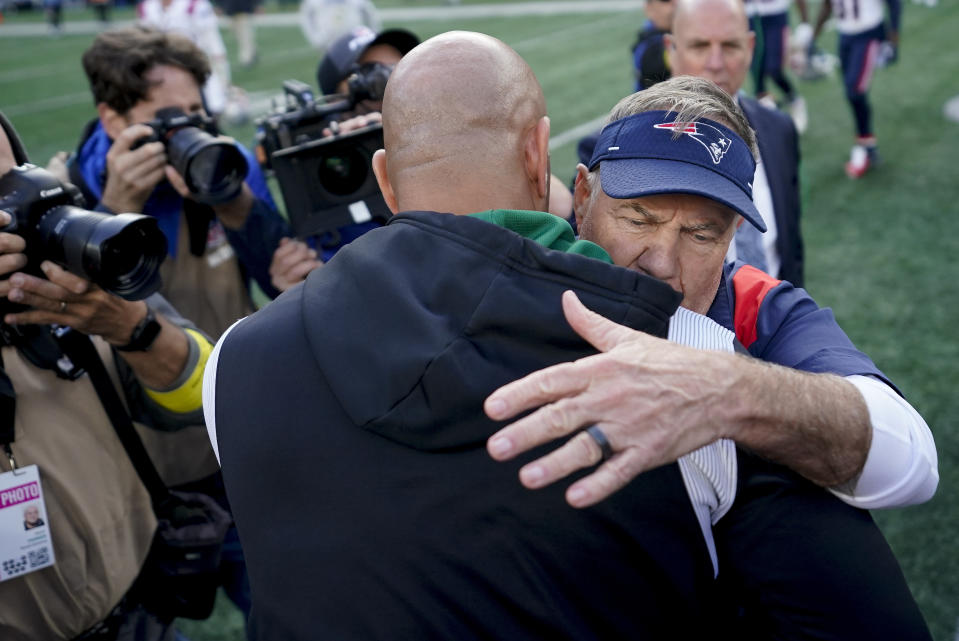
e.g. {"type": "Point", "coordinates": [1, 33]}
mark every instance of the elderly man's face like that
{"type": "Point", "coordinates": [678, 238]}
{"type": "Point", "coordinates": [712, 42]}
{"type": "Point", "coordinates": [31, 514]}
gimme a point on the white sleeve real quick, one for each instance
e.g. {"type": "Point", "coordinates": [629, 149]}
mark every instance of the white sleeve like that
{"type": "Point", "coordinates": [902, 466]}
{"type": "Point", "coordinates": [209, 391]}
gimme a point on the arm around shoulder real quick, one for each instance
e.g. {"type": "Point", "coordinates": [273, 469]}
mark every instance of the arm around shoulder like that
{"type": "Point", "coordinates": [815, 424]}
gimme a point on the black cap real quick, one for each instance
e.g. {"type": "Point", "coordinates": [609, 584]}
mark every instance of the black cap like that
{"type": "Point", "coordinates": [343, 53]}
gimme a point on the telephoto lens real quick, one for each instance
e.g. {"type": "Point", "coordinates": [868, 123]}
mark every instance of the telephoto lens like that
{"type": "Point", "coordinates": [120, 253]}
{"type": "Point", "coordinates": [213, 167]}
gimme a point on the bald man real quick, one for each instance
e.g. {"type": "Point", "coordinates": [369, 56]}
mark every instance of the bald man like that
{"type": "Point", "coordinates": [347, 415]}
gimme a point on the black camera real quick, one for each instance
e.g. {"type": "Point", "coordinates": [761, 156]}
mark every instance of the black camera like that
{"type": "Point", "coordinates": [327, 182]}
{"type": "Point", "coordinates": [122, 254]}
{"type": "Point", "coordinates": [213, 167]}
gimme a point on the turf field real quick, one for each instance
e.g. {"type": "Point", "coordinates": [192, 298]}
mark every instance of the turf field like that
{"type": "Point", "coordinates": [879, 250]}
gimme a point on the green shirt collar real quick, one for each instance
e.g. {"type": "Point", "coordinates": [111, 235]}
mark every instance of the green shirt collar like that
{"type": "Point", "coordinates": [546, 229]}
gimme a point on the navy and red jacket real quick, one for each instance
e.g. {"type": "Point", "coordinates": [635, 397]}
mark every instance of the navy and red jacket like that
{"type": "Point", "coordinates": [779, 323]}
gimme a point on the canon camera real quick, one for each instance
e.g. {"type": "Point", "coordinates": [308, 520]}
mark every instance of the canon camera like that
{"type": "Point", "coordinates": [213, 166]}
{"type": "Point", "coordinates": [120, 253]}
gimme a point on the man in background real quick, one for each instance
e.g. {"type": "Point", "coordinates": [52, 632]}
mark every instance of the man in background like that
{"type": "Point", "coordinates": [649, 56]}
{"type": "Point", "coordinates": [214, 250]}
{"type": "Point", "coordinates": [359, 50]}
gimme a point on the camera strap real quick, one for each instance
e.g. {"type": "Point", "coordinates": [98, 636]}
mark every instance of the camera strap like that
{"type": "Point", "coordinates": [79, 348]}
{"type": "Point", "coordinates": [8, 411]}
{"type": "Point", "coordinates": [198, 219]}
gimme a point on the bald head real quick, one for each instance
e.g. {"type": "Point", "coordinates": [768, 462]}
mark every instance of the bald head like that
{"type": "Point", "coordinates": [733, 11]}
{"type": "Point", "coordinates": [711, 39]}
{"type": "Point", "coordinates": [461, 115]}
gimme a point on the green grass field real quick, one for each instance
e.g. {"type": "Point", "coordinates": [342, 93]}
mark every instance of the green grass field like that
{"type": "Point", "coordinates": [879, 250]}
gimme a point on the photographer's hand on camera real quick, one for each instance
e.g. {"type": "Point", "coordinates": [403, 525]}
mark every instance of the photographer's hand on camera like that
{"type": "Point", "coordinates": [66, 299]}
{"type": "Point", "coordinates": [291, 263]}
{"type": "Point", "coordinates": [354, 123]}
{"type": "Point", "coordinates": [132, 174]}
{"type": "Point", "coordinates": [12, 257]}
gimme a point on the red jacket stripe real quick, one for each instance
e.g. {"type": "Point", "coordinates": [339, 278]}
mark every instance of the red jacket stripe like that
{"type": "Point", "coordinates": [751, 286]}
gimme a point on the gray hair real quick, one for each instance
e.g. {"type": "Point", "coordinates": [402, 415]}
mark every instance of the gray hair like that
{"type": "Point", "coordinates": [691, 98]}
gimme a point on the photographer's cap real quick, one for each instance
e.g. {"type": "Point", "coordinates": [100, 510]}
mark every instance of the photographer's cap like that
{"type": "Point", "coordinates": [342, 54]}
{"type": "Point", "coordinates": [650, 153]}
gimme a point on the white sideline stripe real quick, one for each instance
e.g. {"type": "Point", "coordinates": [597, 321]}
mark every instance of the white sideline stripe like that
{"type": "Point", "coordinates": [35, 72]}
{"type": "Point", "coordinates": [395, 14]}
{"type": "Point", "coordinates": [46, 104]}
{"type": "Point", "coordinates": [513, 9]}
{"type": "Point", "coordinates": [577, 132]}
{"type": "Point", "coordinates": [560, 34]}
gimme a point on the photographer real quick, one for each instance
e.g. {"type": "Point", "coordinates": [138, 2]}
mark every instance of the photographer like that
{"type": "Point", "coordinates": [364, 52]}
{"type": "Point", "coordinates": [56, 428]}
{"type": "Point", "coordinates": [215, 240]}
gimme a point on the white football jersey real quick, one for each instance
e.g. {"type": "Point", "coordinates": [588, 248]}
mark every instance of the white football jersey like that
{"type": "Point", "coordinates": [194, 19]}
{"type": "Point", "coordinates": [856, 16]}
{"type": "Point", "coordinates": [766, 7]}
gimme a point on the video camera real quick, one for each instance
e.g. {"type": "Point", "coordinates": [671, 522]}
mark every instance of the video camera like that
{"type": "Point", "coordinates": [122, 253]}
{"type": "Point", "coordinates": [327, 182]}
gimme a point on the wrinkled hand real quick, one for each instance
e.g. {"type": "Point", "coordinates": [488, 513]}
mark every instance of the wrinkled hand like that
{"type": "Point", "coordinates": [132, 174]}
{"type": "Point", "coordinates": [291, 263]}
{"type": "Point", "coordinates": [352, 124]}
{"type": "Point", "coordinates": [654, 400]}
{"type": "Point", "coordinates": [67, 299]}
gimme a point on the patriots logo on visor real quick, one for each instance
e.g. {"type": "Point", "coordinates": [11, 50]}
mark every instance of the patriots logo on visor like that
{"type": "Point", "coordinates": [711, 138]}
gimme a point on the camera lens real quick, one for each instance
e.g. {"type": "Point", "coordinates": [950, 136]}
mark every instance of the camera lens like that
{"type": "Point", "coordinates": [122, 253]}
{"type": "Point", "coordinates": [343, 171]}
{"type": "Point", "coordinates": [214, 169]}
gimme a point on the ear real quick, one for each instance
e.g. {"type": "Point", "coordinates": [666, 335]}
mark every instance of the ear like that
{"type": "Point", "coordinates": [581, 194]}
{"type": "Point", "coordinates": [383, 180]}
{"type": "Point", "coordinates": [739, 222]}
{"type": "Point", "coordinates": [111, 120]}
{"type": "Point", "coordinates": [536, 156]}
{"type": "Point", "coordinates": [669, 46]}
{"type": "Point", "coordinates": [750, 46]}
